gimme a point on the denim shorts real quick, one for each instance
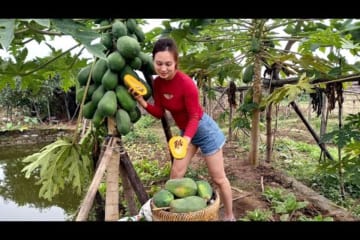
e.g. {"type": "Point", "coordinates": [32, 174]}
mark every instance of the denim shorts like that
{"type": "Point", "coordinates": [208, 137]}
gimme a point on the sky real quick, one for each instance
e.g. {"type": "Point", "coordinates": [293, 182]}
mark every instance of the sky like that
{"type": "Point", "coordinates": [66, 42]}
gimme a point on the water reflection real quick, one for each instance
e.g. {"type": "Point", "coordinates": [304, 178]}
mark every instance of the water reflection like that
{"type": "Point", "coordinates": [19, 196]}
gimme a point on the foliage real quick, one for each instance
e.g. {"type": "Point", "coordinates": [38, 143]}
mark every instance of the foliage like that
{"type": "Point", "coordinates": [140, 130]}
{"type": "Point", "coordinates": [290, 91]}
{"type": "Point", "coordinates": [150, 170]}
{"type": "Point", "coordinates": [283, 203]}
{"type": "Point", "coordinates": [347, 139]}
{"type": "Point", "coordinates": [318, 218]}
{"type": "Point", "coordinates": [59, 163]}
{"type": "Point", "coordinates": [258, 215]}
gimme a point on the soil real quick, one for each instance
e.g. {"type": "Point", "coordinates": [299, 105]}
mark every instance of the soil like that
{"type": "Point", "coordinates": [248, 183]}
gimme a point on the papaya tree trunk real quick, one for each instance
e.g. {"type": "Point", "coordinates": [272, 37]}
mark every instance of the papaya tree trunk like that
{"type": "Point", "coordinates": [255, 129]}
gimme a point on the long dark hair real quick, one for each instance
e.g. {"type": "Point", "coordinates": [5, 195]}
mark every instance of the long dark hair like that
{"type": "Point", "coordinates": [166, 44]}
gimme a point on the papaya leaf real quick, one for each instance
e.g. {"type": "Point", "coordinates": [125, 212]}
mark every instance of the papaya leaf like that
{"type": "Point", "coordinates": [7, 27]}
{"type": "Point", "coordinates": [290, 91]}
{"type": "Point", "coordinates": [82, 34]}
{"type": "Point", "coordinates": [348, 44]}
{"type": "Point", "coordinates": [42, 22]}
{"type": "Point", "coordinates": [59, 163]}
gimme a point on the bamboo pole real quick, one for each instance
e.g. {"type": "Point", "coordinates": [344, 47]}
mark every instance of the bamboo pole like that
{"type": "Point", "coordinates": [112, 176]}
{"type": "Point", "coordinates": [89, 198]}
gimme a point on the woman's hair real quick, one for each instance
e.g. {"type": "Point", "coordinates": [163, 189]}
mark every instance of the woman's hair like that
{"type": "Point", "coordinates": [166, 44]}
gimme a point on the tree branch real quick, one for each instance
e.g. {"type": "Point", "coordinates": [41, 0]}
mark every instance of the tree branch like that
{"type": "Point", "coordinates": [50, 61]}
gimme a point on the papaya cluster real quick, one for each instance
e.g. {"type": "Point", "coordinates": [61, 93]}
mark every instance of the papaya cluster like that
{"type": "Point", "coordinates": [183, 195]}
{"type": "Point", "coordinates": [107, 94]}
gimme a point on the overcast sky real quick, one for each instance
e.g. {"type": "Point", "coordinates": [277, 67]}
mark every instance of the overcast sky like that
{"type": "Point", "coordinates": [66, 42]}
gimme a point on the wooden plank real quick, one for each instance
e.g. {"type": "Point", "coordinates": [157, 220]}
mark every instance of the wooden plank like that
{"type": "Point", "coordinates": [90, 195]}
{"type": "Point", "coordinates": [112, 185]}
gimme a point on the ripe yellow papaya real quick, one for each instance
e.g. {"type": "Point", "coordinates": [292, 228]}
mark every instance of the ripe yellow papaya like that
{"type": "Point", "coordinates": [131, 82]}
{"type": "Point", "coordinates": [178, 147]}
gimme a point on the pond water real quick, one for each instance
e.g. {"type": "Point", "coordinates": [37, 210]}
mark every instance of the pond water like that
{"type": "Point", "coordinates": [19, 196]}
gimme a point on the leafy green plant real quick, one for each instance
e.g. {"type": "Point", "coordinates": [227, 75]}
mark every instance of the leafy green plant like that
{"type": "Point", "coordinates": [288, 205]}
{"type": "Point", "coordinates": [258, 215]}
{"type": "Point", "coordinates": [273, 194]}
{"type": "Point", "coordinates": [318, 218]}
{"type": "Point", "coordinates": [61, 163]}
{"type": "Point", "coordinates": [151, 170]}
{"type": "Point", "coordinates": [283, 203]}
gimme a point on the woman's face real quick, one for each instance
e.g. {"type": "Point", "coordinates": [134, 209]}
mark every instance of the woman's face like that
{"type": "Point", "coordinates": [165, 65]}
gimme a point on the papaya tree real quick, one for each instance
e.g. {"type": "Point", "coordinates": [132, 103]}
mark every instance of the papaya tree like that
{"type": "Point", "coordinates": [56, 160]}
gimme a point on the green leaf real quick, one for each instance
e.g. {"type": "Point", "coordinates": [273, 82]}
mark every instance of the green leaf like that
{"type": "Point", "coordinates": [82, 34]}
{"type": "Point", "coordinates": [6, 32]}
{"type": "Point", "coordinates": [59, 163]}
{"type": "Point", "coordinates": [348, 44]}
{"type": "Point", "coordinates": [43, 22]}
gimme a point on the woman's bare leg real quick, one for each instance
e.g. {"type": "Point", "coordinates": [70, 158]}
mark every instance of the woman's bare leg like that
{"type": "Point", "coordinates": [216, 170]}
{"type": "Point", "coordinates": [179, 167]}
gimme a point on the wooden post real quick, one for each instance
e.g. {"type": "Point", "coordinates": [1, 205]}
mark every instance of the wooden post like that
{"type": "Point", "coordinates": [313, 133]}
{"type": "Point", "coordinates": [132, 176]}
{"type": "Point", "coordinates": [128, 191]}
{"type": "Point", "coordinates": [90, 195]}
{"type": "Point", "coordinates": [112, 176]}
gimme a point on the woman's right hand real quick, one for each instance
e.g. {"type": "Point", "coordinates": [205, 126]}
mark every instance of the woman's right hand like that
{"type": "Point", "coordinates": [139, 98]}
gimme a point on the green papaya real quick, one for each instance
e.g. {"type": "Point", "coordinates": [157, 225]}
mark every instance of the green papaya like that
{"type": "Point", "coordinates": [131, 25]}
{"type": "Point", "coordinates": [98, 94]}
{"type": "Point", "coordinates": [99, 70]}
{"type": "Point", "coordinates": [181, 187]}
{"type": "Point", "coordinates": [83, 75]}
{"type": "Point", "coordinates": [255, 45]}
{"type": "Point", "coordinates": [187, 204]}
{"type": "Point", "coordinates": [248, 74]}
{"type": "Point", "coordinates": [128, 47]}
{"type": "Point", "coordinates": [108, 104]}
{"type": "Point", "coordinates": [139, 34]}
{"type": "Point", "coordinates": [124, 98]}
{"type": "Point", "coordinates": [109, 80]}
{"type": "Point", "coordinates": [163, 198]}
{"type": "Point", "coordinates": [204, 189]}
{"type": "Point", "coordinates": [98, 118]}
{"type": "Point", "coordinates": [119, 29]}
{"type": "Point", "coordinates": [123, 122]}
{"type": "Point", "coordinates": [135, 63]}
{"type": "Point", "coordinates": [89, 110]}
{"type": "Point", "coordinates": [106, 40]}
{"type": "Point", "coordinates": [135, 114]}
{"type": "Point", "coordinates": [116, 62]}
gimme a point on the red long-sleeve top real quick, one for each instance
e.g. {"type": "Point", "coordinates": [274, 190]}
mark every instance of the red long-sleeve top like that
{"type": "Point", "coordinates": [180, 97]}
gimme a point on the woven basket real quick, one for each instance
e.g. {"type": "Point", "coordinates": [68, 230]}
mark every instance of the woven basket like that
{"type": "Point", "coordinates": [210, 213]}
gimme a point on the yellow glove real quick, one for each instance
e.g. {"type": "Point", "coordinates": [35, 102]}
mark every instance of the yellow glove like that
{"type": "Point", "coordinates": [178, 147]}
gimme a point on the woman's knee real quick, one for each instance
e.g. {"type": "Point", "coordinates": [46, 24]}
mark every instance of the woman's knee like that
{"type": "Point", "coordinates": [220, 181]}
{"type": "Point", "coordinates": [177, 172]}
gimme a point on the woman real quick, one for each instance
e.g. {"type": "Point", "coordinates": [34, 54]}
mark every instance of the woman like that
{"type": "Point", "coordinates": [176, 92]}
